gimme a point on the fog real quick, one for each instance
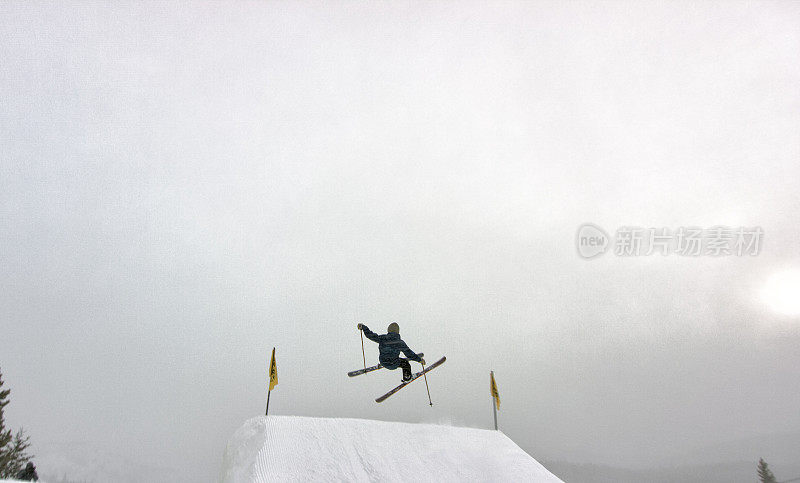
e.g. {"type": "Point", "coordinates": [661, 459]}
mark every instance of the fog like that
{"type": "Point", "coordinates": [185, 186]}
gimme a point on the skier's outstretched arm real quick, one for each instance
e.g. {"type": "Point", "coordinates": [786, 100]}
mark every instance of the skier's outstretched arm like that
{"type": "Point", "coordinates": [410, 354]}
{"type": "Point", "coordinates": [370, 335]}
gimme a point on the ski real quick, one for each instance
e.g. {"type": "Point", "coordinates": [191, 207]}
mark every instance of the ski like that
{"type": "Point", "coordinates": [358, 372]}
{"type": "Point", "coordinates": [364, 371]}
{"type": "Point", "coordinates": [413, 378]}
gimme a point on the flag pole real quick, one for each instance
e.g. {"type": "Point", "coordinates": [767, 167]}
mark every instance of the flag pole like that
{"type": "Point", "coordinates": [270, 393]}
{"type": "Point", "coordinates": [494, 405]}
{"type": "Point", "coordinates": [494, 410]}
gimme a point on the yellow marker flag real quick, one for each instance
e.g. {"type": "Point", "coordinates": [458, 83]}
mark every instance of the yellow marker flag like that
{"type": "Point", "coordinates": [273, 372]}
{"type": "Point", "coordinates": [493, 390]}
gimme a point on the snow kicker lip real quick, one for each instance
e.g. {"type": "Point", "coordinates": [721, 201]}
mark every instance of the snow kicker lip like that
{"type": "Point", "coordinates": [293, 448]}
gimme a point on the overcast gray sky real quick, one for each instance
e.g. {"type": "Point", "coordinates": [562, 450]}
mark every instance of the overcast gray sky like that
{"type": "Point", "coordinates": [184, 186]}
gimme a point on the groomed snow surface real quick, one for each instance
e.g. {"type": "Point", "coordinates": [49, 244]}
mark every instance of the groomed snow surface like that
{"type": "Point", "coordinates": [291, 448]}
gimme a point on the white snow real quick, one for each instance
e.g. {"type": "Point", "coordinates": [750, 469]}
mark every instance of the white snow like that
{"type": "Point", "coordinates": [291, 448]}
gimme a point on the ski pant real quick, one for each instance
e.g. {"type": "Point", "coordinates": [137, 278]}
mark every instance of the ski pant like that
{"type": "Point", "coordinates": [400, 362]}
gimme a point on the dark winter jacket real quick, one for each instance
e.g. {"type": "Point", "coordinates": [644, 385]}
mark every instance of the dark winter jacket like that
{"type": "Point", "coordinates": [390, 346]}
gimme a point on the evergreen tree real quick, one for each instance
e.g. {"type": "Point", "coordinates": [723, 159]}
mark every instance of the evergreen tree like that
{"type": "Point", "coordinates": [764, 473]}
{"type": "Point", "coordinates": [13, 456]}
{"type": "Point", "coordinates": [28, 473]}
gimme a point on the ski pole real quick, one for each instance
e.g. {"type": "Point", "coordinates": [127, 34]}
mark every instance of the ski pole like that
{"type": "Point", "coordinates": [425, 376]}
{"type": "Point", "coordinates": [363, 356]}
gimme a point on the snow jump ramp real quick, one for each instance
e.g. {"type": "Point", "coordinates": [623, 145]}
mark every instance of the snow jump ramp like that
{"type": "Point", "coordinates": [291, 448]}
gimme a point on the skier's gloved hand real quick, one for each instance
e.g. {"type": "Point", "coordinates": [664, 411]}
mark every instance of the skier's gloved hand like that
{"type": "Point", "coordinates": [362, 327]}
{"type": "Point", "coordinates": [422, 361]}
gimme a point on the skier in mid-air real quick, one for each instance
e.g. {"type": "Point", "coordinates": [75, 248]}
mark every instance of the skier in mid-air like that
{"type": "Point", "coordinates": [390, 346]}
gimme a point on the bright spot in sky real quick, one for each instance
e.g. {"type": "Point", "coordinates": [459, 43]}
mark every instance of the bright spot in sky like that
{"type": "Point", "coordinates": [782, 292]}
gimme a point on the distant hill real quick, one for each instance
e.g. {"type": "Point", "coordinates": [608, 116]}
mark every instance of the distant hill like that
{"type": "Point", "coordinates": [88, 462]}
{"type": "Point", "coordinates": [732, 461]}
{"type": "Point", "coordinates": [734, 472]}
{"type": "Point", "coordinates": [778, 449]}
